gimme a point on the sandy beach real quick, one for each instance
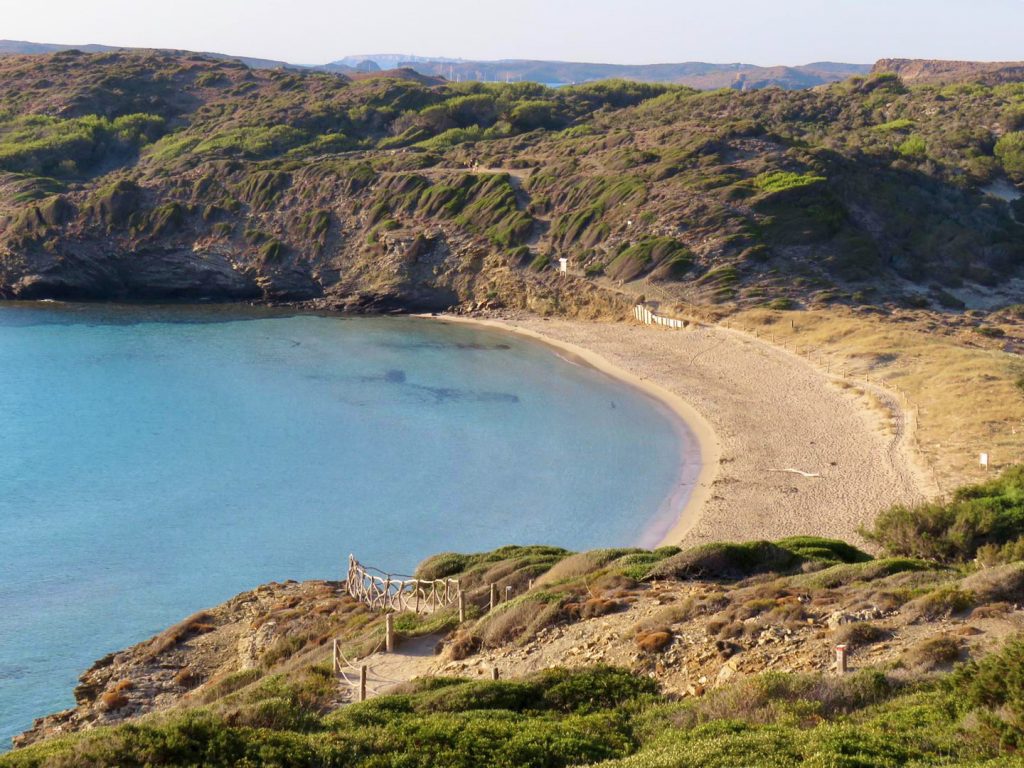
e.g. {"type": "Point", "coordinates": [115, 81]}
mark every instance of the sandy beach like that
{"type": "Point", "coordinates": [784, 449]}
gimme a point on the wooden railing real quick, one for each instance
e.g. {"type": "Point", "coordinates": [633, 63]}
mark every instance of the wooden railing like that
{"type": "Point", "coordinates": [387, 592]}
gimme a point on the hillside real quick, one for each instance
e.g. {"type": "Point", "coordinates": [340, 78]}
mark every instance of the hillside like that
{"type": "Point", "coordinates": [27, 48]}
{"type": "Point", "coordinates": [721, 654]}
{"type": "Point", "coordinates": [940, 72]}
{"type": "Point", "coordinates": [173, 176]}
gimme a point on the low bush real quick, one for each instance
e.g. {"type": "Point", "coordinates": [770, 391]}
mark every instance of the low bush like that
{"type": "Point", "coordinates": [653, 642]}
{"type": "Point", "coordinates": [939, 603]}
{"type": "Point", "coordinates": [737, 561]}
{"type": "Point", "coordinates": [779, 181]}
{"type": "Point", "coordinates": [1001, 583]}
{"type": "Point", "coordinates": [932, 653]}
{"type": "Point", "coordinates": [993, 691]}
{"type": "Point", "coordinates": [859, 634]}
{"type": "Point", "coordinates": [990, 514]}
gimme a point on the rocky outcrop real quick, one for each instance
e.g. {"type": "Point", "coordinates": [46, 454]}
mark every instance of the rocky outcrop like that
{"type": "Point", "coordinates": [938, 72]}
{"type": "Point", "coordinates": [237, 639]}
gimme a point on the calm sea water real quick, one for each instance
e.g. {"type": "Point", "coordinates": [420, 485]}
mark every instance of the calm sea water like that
{"type": "Point", "coordinates": [155, 461]}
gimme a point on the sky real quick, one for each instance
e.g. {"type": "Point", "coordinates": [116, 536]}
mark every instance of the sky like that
{"type": "Point", "coordinates": [614, 31]}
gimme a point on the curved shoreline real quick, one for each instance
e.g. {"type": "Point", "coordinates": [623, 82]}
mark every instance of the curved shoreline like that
{"type": "Point", "coordinates": [679, 513]}
{"type": "Point", "coordinates": [785, 449]}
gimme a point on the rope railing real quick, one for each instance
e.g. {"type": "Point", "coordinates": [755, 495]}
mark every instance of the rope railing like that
{"type": "Point", "coordinates": [387, 592]}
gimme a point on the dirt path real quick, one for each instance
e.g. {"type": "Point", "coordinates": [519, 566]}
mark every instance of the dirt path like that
{"type": "Point", "coordinates": [385, 671]}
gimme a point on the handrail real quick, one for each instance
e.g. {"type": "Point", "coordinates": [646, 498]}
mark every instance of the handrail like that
{"type": "Point", "coordinates": [388, 592]}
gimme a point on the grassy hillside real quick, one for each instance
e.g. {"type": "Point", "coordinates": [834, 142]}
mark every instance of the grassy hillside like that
{"type": "Point", "coordinates": [138, 175]}
{"type": "Point", "coordinates": [935, 645]}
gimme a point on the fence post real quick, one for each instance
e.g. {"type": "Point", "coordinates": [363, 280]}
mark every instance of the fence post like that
{"type": "Point", "coordinates": [462, 606]}
{"type": "Point", "coordinates": [530, 585]}
{"type": "Point", "coordinates": [362, 683]}
{"type": "Point", "coordinates": [494, 596]}
{"type": "Point", "coordinates": [494, 673]}
{"type": "Point", "coordinates": [334, 657]}
{"type": "Point", "coordinates": [841, 660]}
{"type": "Point", "coordinates": [389, 633]}
{"type": "Point", "coordinates": [508, 593]}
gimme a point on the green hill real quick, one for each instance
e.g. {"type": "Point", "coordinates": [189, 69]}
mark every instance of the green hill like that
{"type": "Point", "coordinates": [153, 175]}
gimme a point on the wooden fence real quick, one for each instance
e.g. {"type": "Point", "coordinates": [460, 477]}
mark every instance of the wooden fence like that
{"type": "Point", "coordinates": [645, 316]}
{"type": "Point", "coordinates": [387, 592]}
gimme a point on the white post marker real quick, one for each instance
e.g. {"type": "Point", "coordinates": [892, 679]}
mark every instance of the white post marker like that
{"type": "Point", "coordinates": [563, 265]}
{"type": "Point", "coordinates": [983, 459]}
{"type": "Point", "coordinates": [841, 660]}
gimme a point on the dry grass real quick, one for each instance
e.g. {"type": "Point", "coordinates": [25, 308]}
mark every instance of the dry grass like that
{"type": "Point", "coordinates": [938, 604]}
{"type": "Point", "coordinates": [653, 642]}
{"type": "Point", "coordinates": [592, 608]}
{"type": "Point", "coordinates": [991, 611]}
{"type": "Point", "coordinates": [113, 699]}
{"type": "Point", "coordinates": [967, 395]}
{"type": "Point", "coordinates": [196, 624]}
{"type": "Point", "coordinates": [1001, 583]}
{"type": "Point", "coordinates": [932, 653]}
{"type": "Point", "coordinates": [572, 567]}
{"type": "Point", "coordinates": [859, 634]}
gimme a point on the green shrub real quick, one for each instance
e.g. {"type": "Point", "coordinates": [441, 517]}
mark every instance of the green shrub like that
{"type": "Point", "coordinates": [540, 262]}
{"type": "Point", "coordinates": [780, 181]}
{"type": "Point", "coordinates": [900, 124]}
{"type": "Point", "coordinates": [993, 690]}
{"type": "Point", "coordinates": [915, 147]}
{"type": "Point", "coordinates": [666, 256]}
{"type": "Point", "coordinates": [988, 514]}
{"type": "Point", "coordinates": [1010, 151]}
{"type": "Point", "coordinates": [734, 561]}
{"type": "Point", "coordinates": [725, 561]}
{"type": "Point", "coordinates": [592, 689]}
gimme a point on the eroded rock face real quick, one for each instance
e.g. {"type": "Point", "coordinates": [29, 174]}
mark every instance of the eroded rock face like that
{"type": "Point", "coordinates": [937, 71]}
{"type": "Point", "coordinates": [184, 661]}
{"type": "Point", "coordinates": [166, 275]}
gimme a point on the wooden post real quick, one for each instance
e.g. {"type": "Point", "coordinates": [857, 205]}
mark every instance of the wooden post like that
{"type": "Point", "coordinates": [389, 633]}
{"type": "Point", "coordinates": [362, 683]}
{"type": "Point", "coordinates": [334, 657]}
{"type": "Point", "coordinates": [841, 660]}
{"type": "Point", "coordinates": [530, 585]}
{"type": "Point", "coordinates": [494, 595]}
{"type": "Point", "coordinates": [494, 673]}
{"type": "Point", "coordinates": [462, 606]}
{"type": "Point", "coordinates": [508, 593]}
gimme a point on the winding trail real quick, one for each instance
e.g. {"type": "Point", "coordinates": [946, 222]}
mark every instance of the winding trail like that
{"type": "Point", "coordinates": [386, 671]}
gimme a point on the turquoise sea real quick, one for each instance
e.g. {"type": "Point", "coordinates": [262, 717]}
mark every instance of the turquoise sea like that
{"type": "Point", "coordinates": [157, 460]}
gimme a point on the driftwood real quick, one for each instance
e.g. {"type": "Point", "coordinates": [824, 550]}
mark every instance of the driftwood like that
{"type": "Point", "coordinates": [387, 593]}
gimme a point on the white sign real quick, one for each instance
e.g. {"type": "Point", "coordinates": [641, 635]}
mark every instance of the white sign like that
{"type": "Point", "coordinates": [984, 460]}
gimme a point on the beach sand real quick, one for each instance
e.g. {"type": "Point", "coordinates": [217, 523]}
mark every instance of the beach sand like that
{"type": "Point", "coordinates": [756, 413]}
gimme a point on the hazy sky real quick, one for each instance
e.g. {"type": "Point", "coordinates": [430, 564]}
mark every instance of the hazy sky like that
{"type": "Point", "coordinates": [623, 31]}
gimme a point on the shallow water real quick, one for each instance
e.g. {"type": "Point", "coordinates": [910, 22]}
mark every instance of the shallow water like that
{"type": "Point", "coordinates": [155, 461]}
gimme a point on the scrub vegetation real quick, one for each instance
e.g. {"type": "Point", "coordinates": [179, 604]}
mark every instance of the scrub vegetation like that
{"type": "Point", "coordinates": [723, 197]}
{"type": "Point", "coordinates": [938, 700]}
